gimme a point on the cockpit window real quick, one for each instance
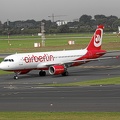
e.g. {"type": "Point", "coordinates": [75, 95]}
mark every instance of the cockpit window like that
{"type": "Point", "coordinates": [5, 60]}
{"type": "Point", "coordinates": [8, 60]}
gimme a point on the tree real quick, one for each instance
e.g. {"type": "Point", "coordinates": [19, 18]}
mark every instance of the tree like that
{"type": "Point", "coordinates": [85, 19]}
{"type": "Point", "coordinates": [63, 29]}
{"type": "Point", "coordinates": [84, 24]}
{"type": "Point", "coordinates": [110, 20]}
{"type": "Point", "coordinates": [100, 19]}
{"type": "Point", "coordinates": [97, 17]}
{"type": "Point", "coordinates": [116, 23]}
{"type": "Point", "coordinates": [0, 24]}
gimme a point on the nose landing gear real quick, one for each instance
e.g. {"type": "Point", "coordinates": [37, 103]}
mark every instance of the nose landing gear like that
{"type": "Point", "coordinates": [16, 76]}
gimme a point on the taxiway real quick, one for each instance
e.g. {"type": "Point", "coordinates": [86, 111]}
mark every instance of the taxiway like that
{"type": "Point", "coordinates": [26, 94]}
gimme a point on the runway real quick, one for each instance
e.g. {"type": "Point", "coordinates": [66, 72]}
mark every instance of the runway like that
{"type": "Point", "coordinates": [26, 94]}
{"type": "Point", "coordinates": [92, 98]}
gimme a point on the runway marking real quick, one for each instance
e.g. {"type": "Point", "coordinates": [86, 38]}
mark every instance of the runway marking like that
{"type": "Point", "coordinates": [10, 87]}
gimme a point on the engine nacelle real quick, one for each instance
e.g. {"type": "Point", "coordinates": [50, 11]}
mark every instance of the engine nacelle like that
{"type": "Point", "coordinates": [56, 69]}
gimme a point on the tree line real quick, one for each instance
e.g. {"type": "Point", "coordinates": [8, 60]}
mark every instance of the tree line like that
{"type": "Point", "coordinates": [85, 23]}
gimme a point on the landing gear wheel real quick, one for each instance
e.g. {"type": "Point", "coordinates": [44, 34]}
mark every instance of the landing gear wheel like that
{"type": "Point", "coordinates": [42, 73]}
{"type": "Point", "coordinates": [65, 73]}
{"type": "Point", "coordinates": [15, 77]}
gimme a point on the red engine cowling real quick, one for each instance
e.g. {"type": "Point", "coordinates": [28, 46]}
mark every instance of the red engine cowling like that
{"type": "Point", "coordinates": [56, 69]}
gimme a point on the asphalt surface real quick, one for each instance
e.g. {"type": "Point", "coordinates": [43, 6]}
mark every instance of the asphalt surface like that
{"type": "Point", "coordinates": [26, 94]}
{"type": "Point", "coordinates": [97, 98]}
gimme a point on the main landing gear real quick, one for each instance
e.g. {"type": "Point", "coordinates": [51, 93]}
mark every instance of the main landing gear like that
{"type": "Point", "coordinates": [42, 73]}
{"type": "Point", "coordinates": [65, 73]}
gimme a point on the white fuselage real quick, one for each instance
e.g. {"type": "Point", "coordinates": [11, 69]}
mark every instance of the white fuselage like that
{"type": "Point", "coordinates": [39, 60]}
{"type": "Point", "coordinates": [56, 62]}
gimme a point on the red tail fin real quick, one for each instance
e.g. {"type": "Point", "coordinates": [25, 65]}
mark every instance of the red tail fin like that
{"type": "Point", "coordinates": [96, 41]}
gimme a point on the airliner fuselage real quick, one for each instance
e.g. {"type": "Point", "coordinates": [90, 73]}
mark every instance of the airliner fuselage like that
{"type": "Point", "coordinates": [56, 62]}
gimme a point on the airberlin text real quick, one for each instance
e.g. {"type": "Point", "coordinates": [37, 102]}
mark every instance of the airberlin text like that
{"type": "Point", "coordinates": [33, 58]}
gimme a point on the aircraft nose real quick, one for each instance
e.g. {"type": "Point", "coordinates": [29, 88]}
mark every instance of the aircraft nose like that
{"type": "Point", "coordinates": [3, 66]}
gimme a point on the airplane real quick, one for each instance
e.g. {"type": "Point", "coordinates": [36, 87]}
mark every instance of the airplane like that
{"type": "Point", "coordinates": [56, 62]}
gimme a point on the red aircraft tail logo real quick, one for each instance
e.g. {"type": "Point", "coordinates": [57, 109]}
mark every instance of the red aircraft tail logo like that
{"type": "Point", "coordinates": [96, 41]}
{"type": "Point", "coordinates": [98, 38]}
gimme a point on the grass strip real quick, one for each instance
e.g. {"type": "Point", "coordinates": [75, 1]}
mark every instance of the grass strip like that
{"type": "Point", "coordinates": [107, 81]}
{"type": "Point", "coordinates": [59, 115]}
{"type": "Point", "coordinates": [22, 44]}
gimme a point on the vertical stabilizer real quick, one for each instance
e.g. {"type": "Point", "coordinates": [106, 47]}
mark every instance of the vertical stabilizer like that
{"type": "Point", "coordinates": [96, 41]}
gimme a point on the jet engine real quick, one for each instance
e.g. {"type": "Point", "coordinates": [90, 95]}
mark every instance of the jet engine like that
{"type": "Point", "coordinates": [56, 69]}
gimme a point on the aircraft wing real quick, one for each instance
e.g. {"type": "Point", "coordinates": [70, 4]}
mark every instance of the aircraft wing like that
{"type": "Point", "coordinates": [69, 63]}
{"type": "Point", "coordinates": [87, 60]}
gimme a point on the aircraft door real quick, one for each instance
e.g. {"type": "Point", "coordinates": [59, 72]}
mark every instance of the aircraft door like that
{"type": "Point", "coordinates": [21, 62]}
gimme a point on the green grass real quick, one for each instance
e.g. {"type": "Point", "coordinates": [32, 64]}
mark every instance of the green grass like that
{"type": "Point", "coordinates": [4, 72]}
{"type": "Point", "coordinates": [59, 115]}
{"type": "Point", "coordinates": [54, 42]}
{"type": "Point", "coordinates": [107, 81]}
{"type": "Point", "coordinates": [1, 59]}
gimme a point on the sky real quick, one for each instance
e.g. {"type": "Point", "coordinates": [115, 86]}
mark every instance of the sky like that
{"type": "Point", "coordinates": [69, 10]}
